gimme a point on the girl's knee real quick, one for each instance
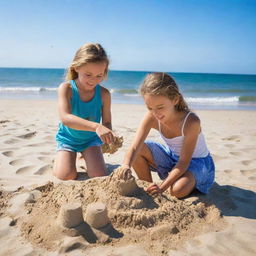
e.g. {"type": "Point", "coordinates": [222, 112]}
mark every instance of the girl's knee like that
{"type": "Point", "coordinates": [180, 191]}
{"type": "Point", "coordinates": [183, 186]}
{"type": "Point", "coordinates": [65, 175]}
{"type": "Point", "coordinates": [98, 173]}
{"type": "Point", "coordinates": [177, 191]}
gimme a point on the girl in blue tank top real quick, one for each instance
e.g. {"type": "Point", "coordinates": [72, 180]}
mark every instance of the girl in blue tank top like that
{"type": "Point", "coordinates": [184, 162]}
{"type": "Point", "coordinates": [85, 115]}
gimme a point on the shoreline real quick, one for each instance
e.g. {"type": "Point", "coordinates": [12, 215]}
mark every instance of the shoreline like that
{"type": "Point", "coordinates": [199, 107]}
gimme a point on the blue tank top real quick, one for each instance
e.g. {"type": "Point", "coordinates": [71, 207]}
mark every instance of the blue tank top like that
{"type": "Point", "coordinates": [89, 110]}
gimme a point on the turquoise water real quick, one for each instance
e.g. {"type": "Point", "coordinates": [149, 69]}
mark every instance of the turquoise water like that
{"type": "Point", "coordinates": [202, 91]}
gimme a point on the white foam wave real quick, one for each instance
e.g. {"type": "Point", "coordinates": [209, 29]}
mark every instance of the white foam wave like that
{"type": "Point", "coordinates": [213, 100]}
{"type": "Point", "coordinates": [27, 89]}
{"type": "Point", "coordinates": [131, 95]}
{"type": "Point", "coordinates": [198, 100]}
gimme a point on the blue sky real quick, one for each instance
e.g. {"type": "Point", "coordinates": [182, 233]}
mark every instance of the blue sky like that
{"type": "Point", "coordinates": [215, 36]}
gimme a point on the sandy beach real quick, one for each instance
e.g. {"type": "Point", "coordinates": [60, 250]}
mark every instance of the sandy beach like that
{"type": "Point", "coordinates": [32, 201]}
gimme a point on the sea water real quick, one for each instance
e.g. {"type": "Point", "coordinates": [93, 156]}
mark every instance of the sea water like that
{"type": "Point", "coordinates": [201, 90]}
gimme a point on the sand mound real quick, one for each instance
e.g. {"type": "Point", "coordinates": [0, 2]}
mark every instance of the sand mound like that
{"type": "Point", "coordinates": [4, 198]}
{"type": "Point", "coordinates": [137, 218]}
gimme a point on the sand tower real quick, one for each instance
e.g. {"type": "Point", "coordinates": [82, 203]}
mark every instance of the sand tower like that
{"type": "Point", "coordinates": [126, 183]}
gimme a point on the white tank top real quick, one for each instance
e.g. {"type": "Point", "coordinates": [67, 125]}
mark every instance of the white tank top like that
{"type": "Point", "coordinates": [175, 144]}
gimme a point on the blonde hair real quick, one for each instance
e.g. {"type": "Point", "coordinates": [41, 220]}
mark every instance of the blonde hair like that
{"type": "Point", "coordinates": [164, 85]}
{"type": "Point", "coordinates": [87, 53]}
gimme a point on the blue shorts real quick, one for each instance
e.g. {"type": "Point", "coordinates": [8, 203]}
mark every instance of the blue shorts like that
{"type": "Point", "coordinates": [78, 148]}
{"type": "Point", "coordinates": [203, 168]}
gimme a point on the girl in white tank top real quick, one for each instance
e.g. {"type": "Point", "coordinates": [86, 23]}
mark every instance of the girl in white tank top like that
{"type": "Point", "coordinates": [176, 143]}
{"type": "Point", "coordinates": [183, 162]}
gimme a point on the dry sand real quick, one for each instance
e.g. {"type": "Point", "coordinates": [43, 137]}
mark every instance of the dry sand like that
{"type": "Point", "coordinates": [40, 215]}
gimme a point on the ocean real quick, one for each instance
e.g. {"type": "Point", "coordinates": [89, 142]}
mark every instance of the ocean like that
{"type": "Point", "coordinates": [201, 90]}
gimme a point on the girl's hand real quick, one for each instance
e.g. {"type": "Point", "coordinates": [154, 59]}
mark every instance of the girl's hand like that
{"type": "Point", "coordinates": [125, 172]}
{"type": "Point", "coordinates": [153, 190]}
{"type": "Point", "coordinates": [105, 134]}
{"type": "Point", "coordinates": [125, 166]}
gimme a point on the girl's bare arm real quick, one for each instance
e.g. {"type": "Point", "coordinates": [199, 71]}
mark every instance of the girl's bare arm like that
{"type": "Point", "coordinates": [141, 134]}
{"type": "Point", "coordinates": [104, 131]}
{"type": "Point", "coordinates": [106, 108]}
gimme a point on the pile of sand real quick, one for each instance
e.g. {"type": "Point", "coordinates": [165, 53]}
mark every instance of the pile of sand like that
{"type": "Point", "coordinates": [113, 147]}
{"type": "Point", "coordinates": [128, 215]}
{"type": "Point", "coordinates": [4, 198]}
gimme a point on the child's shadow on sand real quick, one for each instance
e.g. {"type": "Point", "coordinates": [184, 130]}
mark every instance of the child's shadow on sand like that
{"type": "Point", "coordinates": [231, 200]}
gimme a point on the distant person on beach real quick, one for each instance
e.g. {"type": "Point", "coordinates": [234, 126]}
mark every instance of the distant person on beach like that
{"type": "Point", "coordinates": [85, 114]}
{"type": "Point", "coordinates": [184, 162]}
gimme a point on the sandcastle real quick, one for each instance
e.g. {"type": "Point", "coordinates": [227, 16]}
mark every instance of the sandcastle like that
{"type": "Point", "coordinates": [96, 215]}
{"type": "Point", "coordinates": [70, 215]}
{"type": "Point", "coordinates": [126, 184]}
{"type": "Point", "coordinates": [112, 208]}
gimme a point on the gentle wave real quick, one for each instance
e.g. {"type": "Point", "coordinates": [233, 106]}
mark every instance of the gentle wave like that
{"type": "Point", "coordinates": [213, 100]}
{"type": "Point", "coordinates": [134, 93]}
{"type": "Point", "coordinates": [204, 90]}
{"type": "Point", "coordinates": [27, 89]}
{"type": "Point", "coordinates": [124, 91]}
{"type": "Point", "coordinates": [130, 92]}
{"type": "Point", "coordinates": [131, 95]}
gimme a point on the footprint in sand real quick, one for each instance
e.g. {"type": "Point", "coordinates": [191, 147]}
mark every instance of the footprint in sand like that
{"type": "Point", "coordinates": [228, 171]}
{"type": "Point", "coordinates": [233, 138]}
{"type": "Point", "coordinates": [235, 153]}
{"type": "Point", "coordinates": [44, 159]}
{"type": "Point", "coordinates": [27, 135]}
{"type": "Point", "coordinates": [246, 162]}
{"type": "Point", "coordinates": [11, 141]}
{"type": "Point", "coordinates": [38, 144]}
{"type": "Point", "coordinates": [229, 145]}
{"type": "Point", "coordinates": [18, 162]}
{"type": "Point", "coordinates": [248, 149]}
{"type": "Point", "coordinates": [4, 134]}
{"type": "Point", "coordinates": [46, 169]}
{"type": "Point", "coordinates": [248, 172]}
{"type": "Point", "coordinates": [8, 153]}
{"type": "Point", "coordinates": [45, 153]}
{"type": "Point", "coordinates": [4, 121]}
{"type": "Point", "coordinates": [26, 169]}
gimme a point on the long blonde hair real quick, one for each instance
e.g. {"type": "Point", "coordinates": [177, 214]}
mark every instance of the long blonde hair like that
{"type": "Point", "coordinates": [159, 83]}
{"type": "Point", "coordinates": [87, 53]}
